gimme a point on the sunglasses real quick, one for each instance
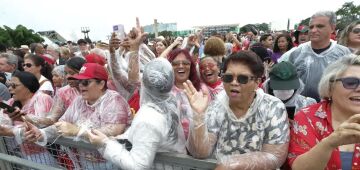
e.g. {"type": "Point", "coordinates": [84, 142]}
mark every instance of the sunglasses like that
{"type": "Point", "coordinates": [356, 30]}
{"type": "Point", "coordinates": [177, 63]}
{"type": "Point", "coordinates": [349, 82]}
{"type": "Point", "coordinates": [27, 65]}
{"type": "Point", "coordinates": [209, 65]}
{"type": "Point", "coordinates": [85, 83]}
{"type": "Point", "coordinates": [242, 79]}
{"type": "Point", "coordinates": [13, 85]}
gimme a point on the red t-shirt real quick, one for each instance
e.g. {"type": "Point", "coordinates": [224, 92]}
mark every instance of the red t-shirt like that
{"type": "Point", "coordinates": [310, 126]}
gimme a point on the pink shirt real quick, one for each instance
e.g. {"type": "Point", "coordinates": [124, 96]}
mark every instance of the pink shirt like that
{"type": "Point", "coordinates": [110, 108]}
{"type": "Point", "coordinates": [67, 94]}
{"type": "Point", "coordinates": [38, 107]}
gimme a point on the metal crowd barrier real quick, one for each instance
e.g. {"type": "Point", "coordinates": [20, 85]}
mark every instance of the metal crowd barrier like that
{"type": "Point", "coordinates": [67, 154]}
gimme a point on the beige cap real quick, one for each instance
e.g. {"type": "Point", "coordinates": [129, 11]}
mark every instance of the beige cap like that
{"type": "Point", "coordinates": [24, 47]}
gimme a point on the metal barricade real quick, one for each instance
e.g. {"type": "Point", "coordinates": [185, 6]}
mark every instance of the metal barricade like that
{"type": "Point", "coordinates": [67, 154]}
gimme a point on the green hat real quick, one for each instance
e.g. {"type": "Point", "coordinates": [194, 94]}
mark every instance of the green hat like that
{"type": "Point", "coordinates": [283, 76]}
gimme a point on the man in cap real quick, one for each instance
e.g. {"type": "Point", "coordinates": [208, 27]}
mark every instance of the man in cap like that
{"type": "Point", "coordinates": [285, 84]}
{"type": "Point", "coordinates": [301, 35]}
{"type": "Point", "coordinates": [25, 49]}
{"type": "Point", "coordinates": [84, 48]}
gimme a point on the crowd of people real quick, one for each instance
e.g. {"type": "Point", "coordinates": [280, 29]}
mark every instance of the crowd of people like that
{"type": "Point", "coordinates": [250, 100]}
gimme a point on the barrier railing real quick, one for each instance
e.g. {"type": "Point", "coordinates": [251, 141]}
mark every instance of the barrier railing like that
{"type": "Point", "coordinates": [67, 154]}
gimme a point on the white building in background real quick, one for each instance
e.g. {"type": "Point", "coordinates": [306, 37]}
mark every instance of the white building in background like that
{"type": "Point", "coordinates": [161, 27]}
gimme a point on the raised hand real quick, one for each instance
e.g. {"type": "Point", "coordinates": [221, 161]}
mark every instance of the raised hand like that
{"type": "Point", "coordinates": [135, 37]}
{"type": "Point", "coordinates": [347, 133]}
{"type": "Point", "coordinates": [114, 43]}
{"type": "Point", "coordinates": [197, 99]}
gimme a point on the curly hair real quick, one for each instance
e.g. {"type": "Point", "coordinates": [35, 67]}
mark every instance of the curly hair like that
{"type": "Point", "coordinates": [214, 47]}
{"type": "Point", "coordinates": [288, 39]}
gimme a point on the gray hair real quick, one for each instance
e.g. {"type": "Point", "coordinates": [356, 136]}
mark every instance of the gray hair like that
{"type": "Point", "coordinates": [53, 48]}
{"type": "Point", "coordinates": [333, 71]}
{"type": "Point", "coordinates": [11, 59]}
{"type": "Point", "coordinates": [330, 14]}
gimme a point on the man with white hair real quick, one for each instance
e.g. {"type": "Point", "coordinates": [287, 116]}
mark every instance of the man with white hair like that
{"type": "Point", "coordinates": [8, 64]}
{"type": "Point", "coordinates": [311, 58]}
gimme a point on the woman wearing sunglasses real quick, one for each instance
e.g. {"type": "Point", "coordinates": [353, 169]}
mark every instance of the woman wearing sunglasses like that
{"type": "Point", "coordinates": [350, 37]}
{"type": "Point", "coordinates": [96, 108]}
{"type": "Point", "coordinates": [42, 71]}
{"type": "Point", "coordinates": [209, 73]}
{"type": "Point", "coordinates": [64, 95]}
{"type": "Point", "coordinates": [33, 105]}
{"type": "Point", "coordinates": [243, 127]}
{"type": "Point", "coordinates": [327, 135]}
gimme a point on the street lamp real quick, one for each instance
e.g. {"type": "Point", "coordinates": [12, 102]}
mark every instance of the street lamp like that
{"type": "Point", "coordinates": [85, 31]}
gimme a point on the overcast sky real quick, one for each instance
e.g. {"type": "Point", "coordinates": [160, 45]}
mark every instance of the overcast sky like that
{"type": "Point", "coordinates": [68, 16]}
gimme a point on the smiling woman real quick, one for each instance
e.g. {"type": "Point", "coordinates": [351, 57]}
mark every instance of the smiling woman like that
{"type": "Point", "coordinates": [96, 108]}
{"type": "Point", "coordinates": [184, 69]}
{"type": "Point", "coordinates": [326, 135]}
{"type": "Point", "coordinates": [248, 114]}
{"type": "Point", "coordinates": [243, 111]}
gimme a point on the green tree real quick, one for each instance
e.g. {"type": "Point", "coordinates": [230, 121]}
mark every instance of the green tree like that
{"type": "Point", "coordinates": [263, 27]}
{"type": "Point", "coordinates": [166, 33]}
{"type": "Point", "coordinates": [248, 28]}
{"type": "Point", "coordinates": [348, 13]}
{"type": "Point", "coordinates": [18, 36]}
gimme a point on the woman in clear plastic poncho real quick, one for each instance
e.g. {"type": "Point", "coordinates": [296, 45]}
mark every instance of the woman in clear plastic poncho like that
{"type": "Point", "coordinates": [33, 105]}
{"type": "Point", "coordinates": [156, 126]}
{"type": "Point", "coordinates": [96, 108]}
{"type": "Point", "coordinates": [243, 127]}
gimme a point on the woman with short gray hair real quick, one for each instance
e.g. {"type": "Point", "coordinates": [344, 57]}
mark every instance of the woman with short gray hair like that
{"type": "Point", "coordinates": [326, 135]}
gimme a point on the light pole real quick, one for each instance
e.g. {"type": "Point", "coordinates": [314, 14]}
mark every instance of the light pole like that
{"type": "Point", "coordinates": [85, 31]}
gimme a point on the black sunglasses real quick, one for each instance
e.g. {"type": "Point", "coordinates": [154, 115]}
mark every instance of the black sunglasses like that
{"type": "Point", "coordinates": [86, 82]}
{"type": "Point", "coordinates": [356, 30]}
{"type": "Point", "coordinates": [349, 82]}
{"type": "Point", "coordinates": [27, 65]}
{"type": "Point", "coordinates": [242, 79]}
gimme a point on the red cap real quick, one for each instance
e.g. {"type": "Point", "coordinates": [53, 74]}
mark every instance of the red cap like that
{"type": "Point", "coordinates": [91, 71]}
{"type": "Point", "coordinates": [48, 60]}
{"type": "Point", "coordinates": [94, 58]}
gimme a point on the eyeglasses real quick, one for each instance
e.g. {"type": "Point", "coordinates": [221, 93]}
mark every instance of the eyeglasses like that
{"type": "Point", "coordinates": [209, 65]}
{"type": "Point", "coordinates": [27, 65]}
{"type": "Point", "coordinates": [349, 82]}
{"type": "Point", "coordinates": [177, 63]}
{"type": "Point", "coordinates": [242, 79]}
{"type": "Point", "coordinates": [13, 85]}
{"type": "Point", "coordinates": [85, 83]}
{"type": "Point", "coordinates": [356, 30]}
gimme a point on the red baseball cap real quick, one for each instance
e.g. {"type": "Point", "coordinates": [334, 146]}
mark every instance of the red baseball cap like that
{"type": "Point", "coordinates": [94, 58]}
{"type": "Point", "coordinates": [91, 71]}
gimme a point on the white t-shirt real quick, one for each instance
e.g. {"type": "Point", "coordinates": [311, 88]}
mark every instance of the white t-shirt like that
{"type": "Point", "coordinates": [46, 86]}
